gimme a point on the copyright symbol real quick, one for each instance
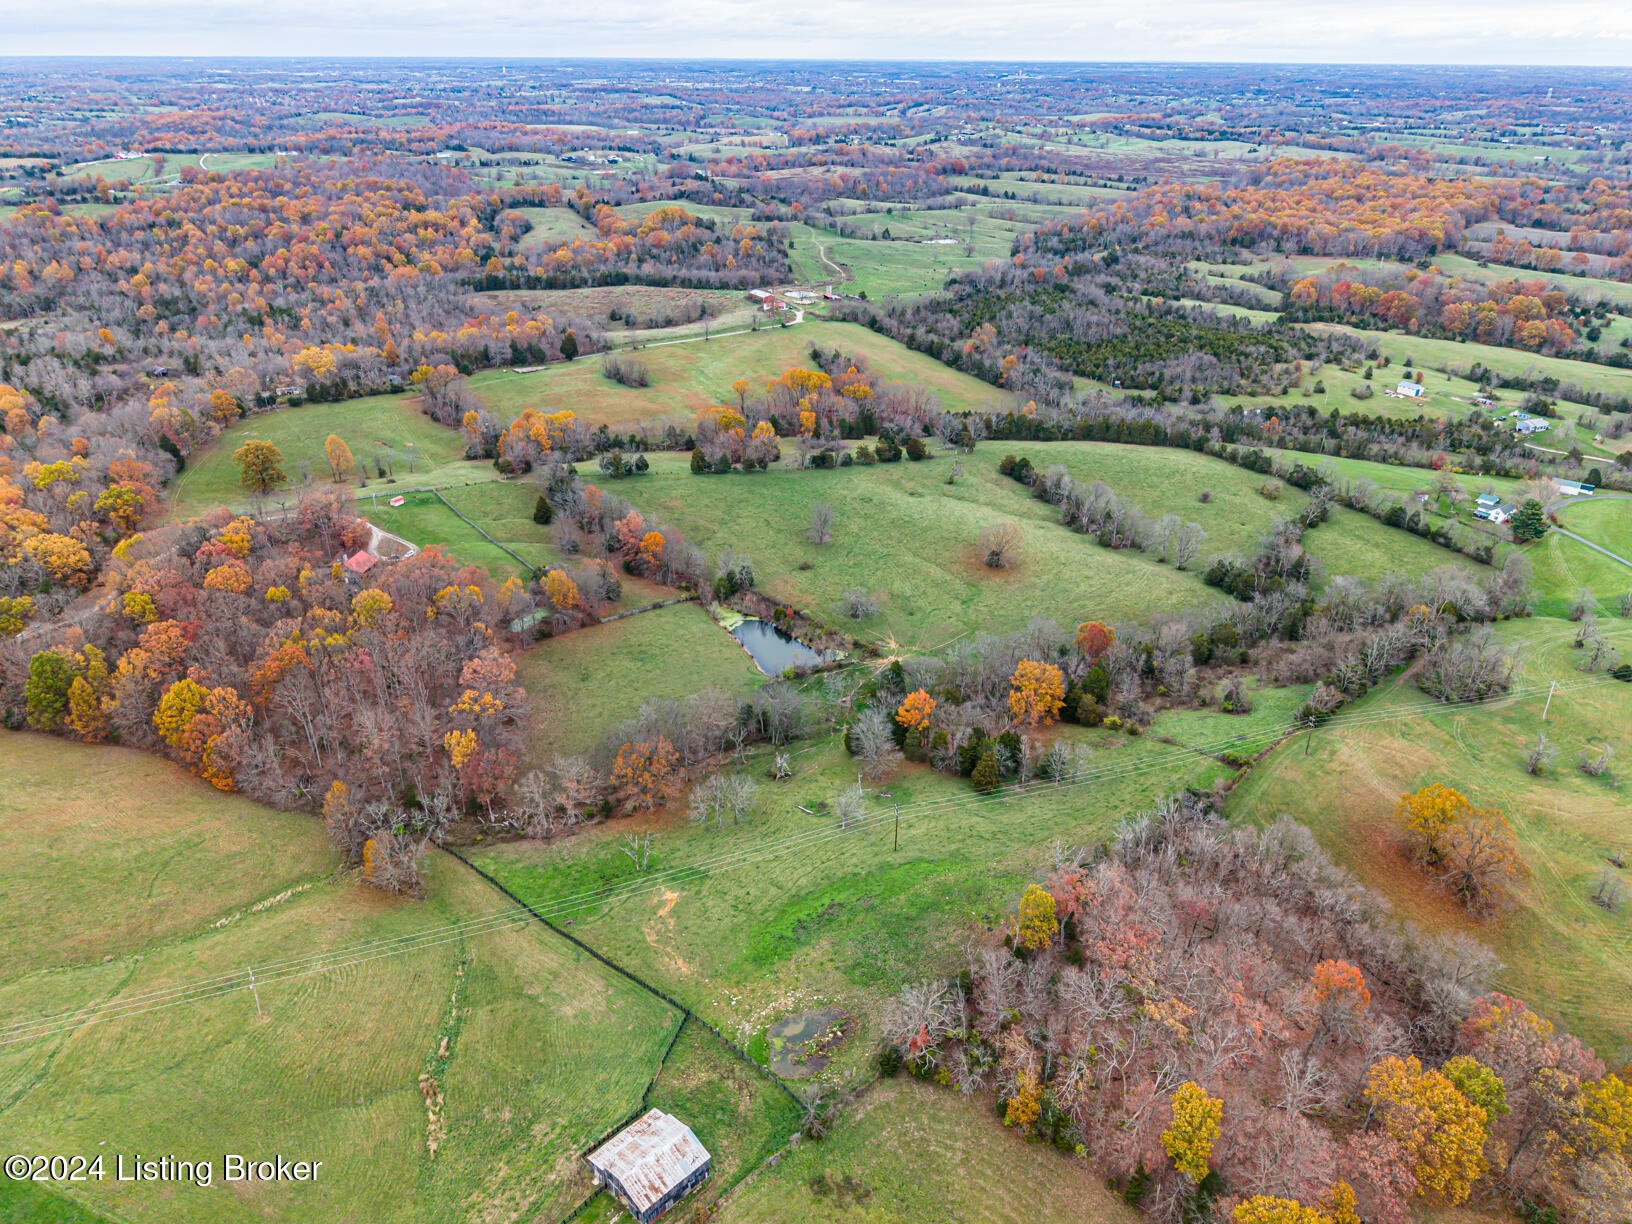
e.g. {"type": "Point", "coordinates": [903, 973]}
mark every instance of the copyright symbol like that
{"type": "Point", "coordinates": [17, 1167]}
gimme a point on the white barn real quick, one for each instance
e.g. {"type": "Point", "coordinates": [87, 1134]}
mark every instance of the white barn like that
{"type": "Point", "coordinates": [1412, 389]}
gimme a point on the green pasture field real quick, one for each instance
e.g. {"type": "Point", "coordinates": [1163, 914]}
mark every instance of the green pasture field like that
{"type": "Point", "coordinates": [142, 170]}
{"type": "Point", "coordinates": [584, 683]}
{"type": "Point", "coordinates": [881, 267]}
{"type": "Point", "coordinates": [725, 215]}
{"type": "Point", "coordinates": [504, 509]}
{"type": "Point", "coordinates": [536, 1048]}
{"type": "Point", "coordinates": [425, 521]}
{"type": "Point", "coordinates": [1607, 522]}
{"type": "Point", "coordinates": [688, 377]}
{"type": "Point", "coordinates": [34, 1203]}
{"type": "Point", "coordinates": [554, 226]}
{"type": "Point", "coordinates": [135, 169]}
{"type": "Point", "coordinates": [1259, 317]}
{"type": "Point", "coordinates": [597, 303]}
{"type": "Point", "coordinates": [913, 1153]}
{"type": "Point", "coordinates": [1459, 356]}
{"type": "Point", "coordinates": [910, 539]}
{"type": "Point", "coordinates": [1077, 195]}
{"type": "Point", "coordinates": [368, 425]}
{"type": "Point", "coordinates": [1565, 955]}
{"type": "Point", "coordinates": [789, 913]}
{"type": "Point", "coordinates": [1583, 288]}
{"type": "Point", "coordinates": [1563, 568]}
{"type": "Point", "coordinates": [906, 536]}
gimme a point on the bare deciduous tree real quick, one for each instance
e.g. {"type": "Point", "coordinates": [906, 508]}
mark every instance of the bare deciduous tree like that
{"type": "Point", "coordinates": [638, 846]}
{"type": "Point", "coordinates": [872, 740]}
{"type": "Point", "coordinates": [850, 804]}
{"type": "Point", "coordinates": [1608, 891]}
{"type": "Point", "coordinates": [720, 796]}
{"type": "Point", "coordinates": [999, 546]}
{"type": "Point", "coordinates": [1596, 764]}
{"type": "Point", "coordinates": [1187, 542]}
{"type": "Point", "coordinates": [857, 604]}
{"type": "Point", "coordinates": [1540, 756]}
{"type": "Point", "coordinates": [820, 530]}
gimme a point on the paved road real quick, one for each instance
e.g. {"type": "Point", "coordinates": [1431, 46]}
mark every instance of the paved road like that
{"type": "Point", "coordinates": [1592, 497]}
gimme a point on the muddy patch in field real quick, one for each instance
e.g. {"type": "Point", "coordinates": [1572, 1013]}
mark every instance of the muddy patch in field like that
{"type": "Point", "coordinates": [801, 1045]}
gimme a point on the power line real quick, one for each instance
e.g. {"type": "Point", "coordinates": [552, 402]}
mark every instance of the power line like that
{"type": "Point", "coordinates": [565, 904]}
{"type": "Point", "coordinates": [574, 902]}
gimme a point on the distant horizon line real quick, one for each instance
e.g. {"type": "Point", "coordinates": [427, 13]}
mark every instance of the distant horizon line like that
{"type": "Point", "coordinates": [1395, 65]}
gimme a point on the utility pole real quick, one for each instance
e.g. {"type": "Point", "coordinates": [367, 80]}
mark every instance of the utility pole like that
{"type": "Point", "coordinates": [897, 827]}
{"type": "Point", "coordinates": [252, 990]}
{"type": "Point", "coordinates": [1549, 704]}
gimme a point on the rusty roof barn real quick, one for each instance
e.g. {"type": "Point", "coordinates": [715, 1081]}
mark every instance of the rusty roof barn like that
{"type": "Point", "coordinates": [651, 1164]}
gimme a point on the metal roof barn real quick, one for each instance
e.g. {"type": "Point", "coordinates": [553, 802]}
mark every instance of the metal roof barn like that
{"type": "Point", "coordinates": [650, 1164]}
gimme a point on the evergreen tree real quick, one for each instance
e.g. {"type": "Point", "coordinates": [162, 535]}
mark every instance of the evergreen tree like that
{"type": "Point", "coordinates": [986, 776]}
{"type": "Point", "coordinates": [1530, 523]}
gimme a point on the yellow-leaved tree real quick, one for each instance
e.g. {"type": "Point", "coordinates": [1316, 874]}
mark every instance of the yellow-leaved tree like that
{"type": "Point", "coordinates": [1442, 1131]}
{"type": "Point", "coordinates": [1037, 921]}
{"type": "Point", "coordinates": [1036, 693]}
{"type": "Point", "coordinates": [1189, 1141]}
{"type": "Point", "coordinates": [339, 457]}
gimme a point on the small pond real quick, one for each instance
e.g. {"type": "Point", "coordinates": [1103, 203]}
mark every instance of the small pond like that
{"type": "Point", "coordinates": [801, 1045]}
{"type": "Point", "coordinates": [772, 650]}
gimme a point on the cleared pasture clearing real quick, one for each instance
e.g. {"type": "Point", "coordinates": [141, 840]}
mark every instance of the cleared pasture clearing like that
{"type": "Point", "coordinates": [553, 226]}
{"type": "Point", "coordinates": [1564, 954]}
{"type": "Point", "coordinates": [425, 521]}
{"type": "Point", "coordinates": [1607, 523]}
{"type": "Point", "coordinates": [1077, 195]}
{"type": "Point", "coordinates": [738, 1114]}
{"type": "Point", "coordinates": [688, 377]}
{"type": "Point", "coordinates": [66, 847]}
{"type": "Point", "coordinates": [925, 1155]}
{"type": "Point", "coordinates": [584, 683]}
{"type": "Point", "coordinates": [833, 918]}
{"type": "Point", "coordinates": [1458, 357]}
{"type": "Point", "coordinates": [912, 540]}
{"type": "Point", "coordinates": [905, 535]}
{"type": "Point", "coordinates": [27, 1203]}
{"type": "Point", "coordinates": [1586, 288]}
{"type": "Point", "coordinates": [369, 426]}
{"type": "Point", "coordinates": [597, 303]}
{"type": "Point", "coordinates": [1563, 568]}
{"type": "Point", "coordinates": [535, 1047]}
{"type": "Point", "coordinates": [883, 267]}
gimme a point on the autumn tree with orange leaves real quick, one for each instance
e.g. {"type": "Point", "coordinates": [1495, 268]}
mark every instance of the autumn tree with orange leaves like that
{"type": "Point", "coordinates": [1036, 693]}
{"type": "Point", "coordinates": [646, 774]}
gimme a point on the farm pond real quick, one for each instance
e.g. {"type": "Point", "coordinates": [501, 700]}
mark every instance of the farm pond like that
{"type": "Point", "coordinates": [773, 651]}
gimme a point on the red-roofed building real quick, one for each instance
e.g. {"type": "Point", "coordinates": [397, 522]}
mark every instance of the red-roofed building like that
{"type": "Point", "coordinates": [360, 563]}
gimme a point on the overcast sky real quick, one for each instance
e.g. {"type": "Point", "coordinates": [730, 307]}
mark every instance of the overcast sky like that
{"type": "Point", "coordinates": [1587, 32]}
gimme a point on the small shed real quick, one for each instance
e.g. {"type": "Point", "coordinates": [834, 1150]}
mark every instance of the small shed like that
{"type": "Point", "coordinates": [360, 563]}
{"type": "Point", "coordinates": [651, 1164]}
{"type": "Point", "coordinates": [1412, 389]}
{"type": "Point", "coordinates": [1575, 488]}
